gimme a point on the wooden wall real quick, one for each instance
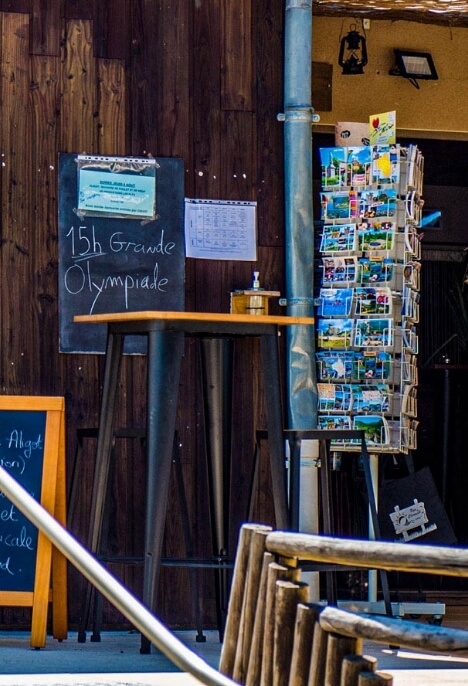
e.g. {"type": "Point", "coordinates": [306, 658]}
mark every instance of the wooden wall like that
{"type": "Point", "coordinates": [201, 80]}
{"type": "Point", "coordinates": [420, 112]}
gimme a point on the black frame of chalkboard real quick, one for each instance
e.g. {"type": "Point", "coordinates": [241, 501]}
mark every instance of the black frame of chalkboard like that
{"type": "Point", "coordinates": [115, 264]}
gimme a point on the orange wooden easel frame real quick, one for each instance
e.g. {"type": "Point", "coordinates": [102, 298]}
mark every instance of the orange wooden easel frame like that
{"type": "Point", "coordinates": [50, 582]}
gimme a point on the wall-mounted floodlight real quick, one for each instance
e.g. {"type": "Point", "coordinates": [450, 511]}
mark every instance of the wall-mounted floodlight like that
{"type": "Point", "coordinates": [414, 66]}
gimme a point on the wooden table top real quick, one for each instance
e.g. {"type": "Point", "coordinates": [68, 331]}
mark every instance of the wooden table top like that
{"type": "Point", "coordinates": [114, 317]}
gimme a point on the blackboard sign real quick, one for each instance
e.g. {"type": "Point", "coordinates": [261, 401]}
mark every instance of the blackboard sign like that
{"type": "Point", "coordinates": [22, 455]}
{"type": "Point", "coordinates": [32, 451]}
{"type": "Point", "coordinates": [118, 263]}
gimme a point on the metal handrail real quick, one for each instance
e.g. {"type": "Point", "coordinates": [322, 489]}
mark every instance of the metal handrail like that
{"type": "Point", "coordinates": [113, 590]}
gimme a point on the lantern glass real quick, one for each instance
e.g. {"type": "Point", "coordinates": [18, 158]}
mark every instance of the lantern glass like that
{"type": "Point", "coordinates": [353, 53]}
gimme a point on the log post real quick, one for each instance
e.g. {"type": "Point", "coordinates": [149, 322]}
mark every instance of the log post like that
{"type": "Point", "coordinates": [353, 665]}
{"type": "Point", "coordinates": [319, 657]}
{"type": "Point", "coordinates": [276, 573]}
{"type": "Point", "coordinates": [256, 651]}
{"type": "Point", "coordinates": [228, 651]}
{"type": "Point", "coordinates": [375, 679]}
{"type": "Point", "coordinates": [288, 596]}
{"type": "Point", "coordinates": [249, 606]}
{"type": "Point", "coordinates": [338, 647]}
{"type": "Point", "coordinates": [306, 618]}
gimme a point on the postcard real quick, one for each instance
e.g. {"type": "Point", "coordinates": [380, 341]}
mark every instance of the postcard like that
{"type": "Point", "coordinates": [378, 203]}
{"type": "Point", "coordinates": [375, 270]}
{"type": "Point", "coordinates": [382, 128]}
{"type": "Point", "coordinates": [373, 333]}
{"type": "Point", "coordinates": [351, 133]}
{"type": "Point", "coordinates": [338, 238]}
{"type": "Point", "coordinates": [359, 166]}
{"type": "Point", "coordinates": [376, 235]}
{"type": "Point", "coordinates": [412, 273]}
{"type": "Point", "coordinates": [335, 333]}
{"type": "Point", "coordinates": [412, 167]}
{"type": "Point", "coordinates": [410, 304]}
{"type": "Point", "coordinates": [374, 426]}
{"type": "Point", "coordinates": [335, 365]}
{"type": "Point", "coordinates": [413, 241]}
{"type": "Point", "coordinates": [372, 300]}
{"type": "Point", "coordinates": [414, 204]}
{"type": "Point", "coordinates": [371, 364]}
{"type": "Point", "coordinates": [339, 270]}
{"type": "Point", "coordinates": [409, 369]}
{"type": "Point", "coordinates": [334, 422]}
{"type": "Point", "coordinates": [335, 302]}
{"type": "Point", "coordinates": [409, 337]}
{"type": "Point", "coordinates": [409, 403]}
{"type": "Point", "coordinates": [385, 164]}
{"type": "Point", "coordinates": [334, 397]}
{"type": "Point", "coordinates": [334, 169]}
{"type": "Point", "coordinates": [335, 205]}
{"type": "Point", "coordinates": [409, 433]}
{"type": "Point", "coordinates": [370, 398]}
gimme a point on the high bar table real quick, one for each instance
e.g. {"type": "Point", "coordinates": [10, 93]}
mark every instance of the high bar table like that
{"type": "Point", "coordinates": [165, 333]}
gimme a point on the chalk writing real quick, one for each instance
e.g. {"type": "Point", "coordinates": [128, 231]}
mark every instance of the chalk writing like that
{"type": "Point", "coordinates": [21, 454]}
{"type": "Point", "coordinates": [18, 540]}
{"type": "Point", "coordinates": [26, 446]}
{"type": "Point", "coordinates": [5, 566]}
{"type": "Point", "coordinates": [110, 264]}
{"type": "Point", "coordinates": [79, 279]}
{"type": "Point", "coordinates": [9, 514]}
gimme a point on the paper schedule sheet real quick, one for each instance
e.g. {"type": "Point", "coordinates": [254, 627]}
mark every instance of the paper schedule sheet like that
{"type": "Point", "coordinates": [221, 229]}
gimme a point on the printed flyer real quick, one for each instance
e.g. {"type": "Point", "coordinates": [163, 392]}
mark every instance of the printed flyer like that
{"type": "Point", "coordinates": [382, 128]}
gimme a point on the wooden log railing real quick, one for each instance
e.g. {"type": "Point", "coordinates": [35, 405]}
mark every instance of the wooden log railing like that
{"type": "Point", "coordinates": [276, 637]}
{"type": "Point", "coordinates": [403, 557]}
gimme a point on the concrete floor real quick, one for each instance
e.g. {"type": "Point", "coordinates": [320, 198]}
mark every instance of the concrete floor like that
{"type": "Point", "coordinates": [116, 661]}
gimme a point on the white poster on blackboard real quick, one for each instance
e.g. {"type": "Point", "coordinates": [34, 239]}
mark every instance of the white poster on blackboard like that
{"type": "Point", "coordinates": [221, 229]}
{"type": "Point", "coordinates": [116, 186]}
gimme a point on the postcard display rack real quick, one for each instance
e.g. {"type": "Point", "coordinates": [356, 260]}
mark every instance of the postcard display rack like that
{"type": "Point", "coordinates": [368, 299]}
{"type": "Point", "coordinates": [368, 303]}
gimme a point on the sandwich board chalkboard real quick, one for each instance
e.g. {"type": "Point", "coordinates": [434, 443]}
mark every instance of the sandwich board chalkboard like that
{"type": "Point", "coordinates": [117, 261]}
{"type": "Point", "coordinates": [32, 450]}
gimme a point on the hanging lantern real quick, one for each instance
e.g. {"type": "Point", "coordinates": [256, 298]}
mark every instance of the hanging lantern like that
{"type": "Point", "coordinates": [353, 52]}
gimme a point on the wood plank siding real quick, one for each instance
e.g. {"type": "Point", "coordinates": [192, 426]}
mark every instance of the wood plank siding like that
{"type": "Point", "coordinates": [201, 80]}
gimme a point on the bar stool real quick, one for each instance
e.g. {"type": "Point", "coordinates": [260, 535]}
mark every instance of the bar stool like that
{"type": "Point", "coordinates": [128, 433]}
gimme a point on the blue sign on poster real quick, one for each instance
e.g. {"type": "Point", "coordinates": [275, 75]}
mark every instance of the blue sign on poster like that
{"type": "Point", "coordinates": [122, 194]}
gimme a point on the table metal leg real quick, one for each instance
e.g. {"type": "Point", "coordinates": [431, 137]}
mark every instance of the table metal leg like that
{"type": "Point", "coordinates": [217, 363]}
{"type": "Point", "coordinates": [103, 456]}
{"type": "Point", "coordinates": [105, 436]}
{"type": "Point", "coordinates": [217, 394]}
{"type": "Point", "coordinates": [165, 351]}
{"type": "Point", "coordinates": [184, 512]}
{"type": "Point", "coordinates": [272, 385]}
